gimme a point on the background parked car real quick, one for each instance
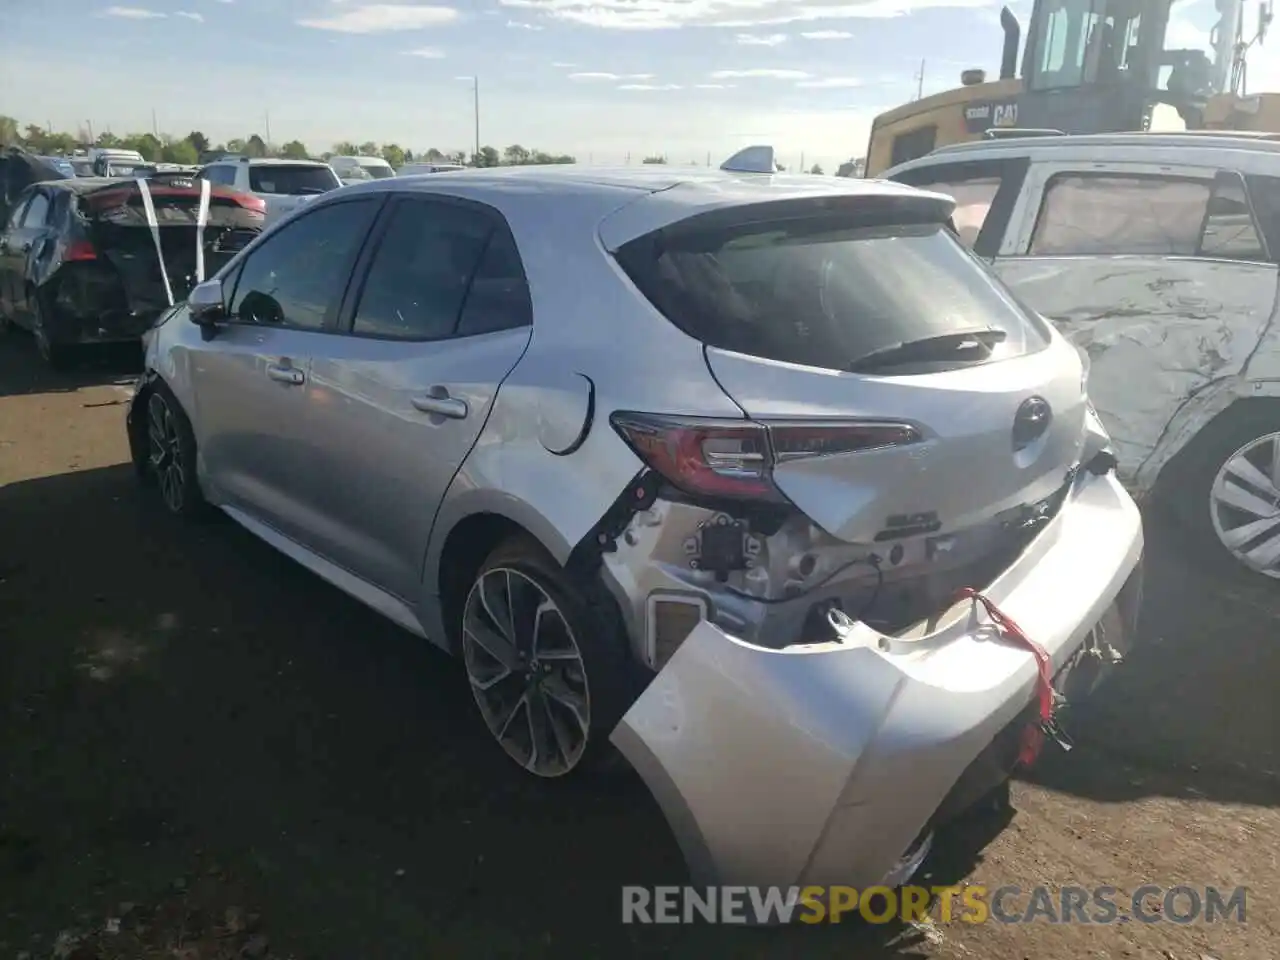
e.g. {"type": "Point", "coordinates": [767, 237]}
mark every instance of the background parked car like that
{"type": "Point", "coordinates": [361, 168]}
{"type": "Point", "coordinates": [284, 185]}
{"type": "Point", "coordinates": [413, 169]}
{"type": "Point", "coordinates": [78, 262]}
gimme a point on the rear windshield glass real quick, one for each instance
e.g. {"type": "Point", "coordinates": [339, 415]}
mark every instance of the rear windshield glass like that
{"type": "Point", "coordinates": [824, 295]}
{"type": "Point", "coordinates": [292, 181]}
{"type": "Point", "coordinates": [378, 172]}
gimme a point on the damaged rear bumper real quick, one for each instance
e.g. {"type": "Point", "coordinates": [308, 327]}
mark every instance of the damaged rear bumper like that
{"type": "Point", "coordinates": [821, 764]}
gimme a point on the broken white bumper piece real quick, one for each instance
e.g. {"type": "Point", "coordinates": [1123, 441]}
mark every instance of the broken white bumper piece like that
{"type": "Point", "coordinates": [822, 764]}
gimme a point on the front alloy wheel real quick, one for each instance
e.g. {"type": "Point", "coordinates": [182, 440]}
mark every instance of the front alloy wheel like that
{"type": "Point", "coordinates": [526, 672]}
{"type": "Point", "coordinates": [166, 456]}
{"type": "Point", "coordinates": [1244, 504]}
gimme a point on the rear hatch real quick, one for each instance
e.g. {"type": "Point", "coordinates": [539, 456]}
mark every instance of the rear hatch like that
{"type": "Point", "coordinates": [904, 391]}
{"type": "Point", "coordinates": [285, 186]}
{"type": "Point", "coordinates": [121, 235]}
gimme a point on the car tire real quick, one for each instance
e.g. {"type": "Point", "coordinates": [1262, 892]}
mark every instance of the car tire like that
{"type": "Point", "coordinates": [168, 449]}
{"type": "Point", "coordinates": [1245, 436]}
{"type": "Point", "coordinates": [566, 683]}
{"type": "Point", "coordinates": [57, 356]}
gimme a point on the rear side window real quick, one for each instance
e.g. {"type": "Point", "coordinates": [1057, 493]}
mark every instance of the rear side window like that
{"type": "Point", "coordinates": [825, 294]}
{"type": "Point", "coordinates": [419, 277]}
{"type": "Point", "coordinates": [499, 295]}
{"type": "Point", "coordinates": [37, 211]}
{"type": "Point", "coordinates": [1105, 214]}
{"type": "Point", "coordinates": [292, 180]}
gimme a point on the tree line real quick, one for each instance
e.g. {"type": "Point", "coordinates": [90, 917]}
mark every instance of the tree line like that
{"type": "Point", "coordinates": [165, 148]}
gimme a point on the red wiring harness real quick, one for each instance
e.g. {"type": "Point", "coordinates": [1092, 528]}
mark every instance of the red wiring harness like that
{"type": "Point", "coordinates": [1033, 734]}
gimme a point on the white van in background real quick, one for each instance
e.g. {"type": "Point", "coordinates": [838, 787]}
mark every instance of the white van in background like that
{"type": "Point", "coordinates": [354, 169]}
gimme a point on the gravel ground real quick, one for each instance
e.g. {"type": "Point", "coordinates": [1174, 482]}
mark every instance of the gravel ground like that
{"type": "Point", "coordinates": [215, 754]}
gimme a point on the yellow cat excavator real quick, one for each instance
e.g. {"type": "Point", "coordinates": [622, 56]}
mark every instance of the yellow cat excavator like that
{"type": "Point", "coordinates": [1095, 66]}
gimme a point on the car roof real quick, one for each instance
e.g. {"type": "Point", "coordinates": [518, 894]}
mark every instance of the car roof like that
{"type": "Point", "coordinates": [670, 193]}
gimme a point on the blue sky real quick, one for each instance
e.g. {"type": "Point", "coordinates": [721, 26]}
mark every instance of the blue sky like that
{"type": "Point", "coordinates": [596, 78]}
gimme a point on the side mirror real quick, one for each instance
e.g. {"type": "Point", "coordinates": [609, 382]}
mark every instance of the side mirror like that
{"type": "Point", "coordinates": [205, 307]}
{"type": "Point", "coordinates": [205, 303]}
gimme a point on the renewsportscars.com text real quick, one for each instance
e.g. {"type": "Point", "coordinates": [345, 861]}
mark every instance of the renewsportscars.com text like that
{"type": "Point", "coordinates": [971, 903]}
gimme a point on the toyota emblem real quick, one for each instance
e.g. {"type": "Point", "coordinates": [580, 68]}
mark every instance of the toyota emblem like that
{"type": "Point", "coordinates": [1031, 422]}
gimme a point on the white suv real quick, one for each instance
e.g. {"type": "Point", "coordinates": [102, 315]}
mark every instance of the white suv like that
{"type": "Point", "coordinates": [1158, 255]}
{"type": "Point", "coordinates": [284, 185]}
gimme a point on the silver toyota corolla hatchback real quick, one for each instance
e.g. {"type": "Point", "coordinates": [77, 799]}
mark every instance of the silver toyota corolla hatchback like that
{"type": "Point", "coordinates": [692, 462]}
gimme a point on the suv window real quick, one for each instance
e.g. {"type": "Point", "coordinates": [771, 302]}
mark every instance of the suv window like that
{"type": "Point", "coordinates": [973, 199]}
{"type": "Point", "coordinates": [37, 211]}
{"type": "Point", "coordinates": [297, 276]}
{"type": "Point", "coordinates": [1109, 214]}
{"type": "Point", "coordinates": [823, 293]}
{"type": "Point", "coordinates": [419, 277]}
{"type": "Point", "coordinates": [290, 180]}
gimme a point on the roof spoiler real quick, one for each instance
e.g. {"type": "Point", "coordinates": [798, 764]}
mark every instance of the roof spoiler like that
{"type": "Point", "coordinates": [757, 159]}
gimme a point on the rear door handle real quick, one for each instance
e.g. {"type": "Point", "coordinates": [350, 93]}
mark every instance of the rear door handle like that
{"type": "Point", "coordinates": [445, 406]}
{"type": "Point", "coordinates": [283, 374]}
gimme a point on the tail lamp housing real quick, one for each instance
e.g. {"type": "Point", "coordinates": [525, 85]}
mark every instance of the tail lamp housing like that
{"type": "Point", "coordinates": [735, 459]}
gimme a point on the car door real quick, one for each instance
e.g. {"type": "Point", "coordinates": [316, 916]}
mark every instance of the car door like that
{"type": "Point", "coordinates": [255, 416]}
{"type": "Point", "coordinates": [440, 317]}
{"type": "Point", "coordinates": [19, 245]}
{"type": "Point", "coordinates": [10, 261]}
{"type": "Point", "coordinates": [1160, 274]}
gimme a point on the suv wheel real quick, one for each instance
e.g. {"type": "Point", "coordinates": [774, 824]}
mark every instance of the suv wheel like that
{"type": "Point", "coordinates": [548, 671]}
{"type": "Point", "coordinates": [171, 454]}
{"type": "Point", "coordinates": [1226, 486]}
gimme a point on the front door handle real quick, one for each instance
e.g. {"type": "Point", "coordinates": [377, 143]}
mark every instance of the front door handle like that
{"type": "Point", "coordinates": [283, 374]}
{"type": "Point", "coordinates": [445, 406]}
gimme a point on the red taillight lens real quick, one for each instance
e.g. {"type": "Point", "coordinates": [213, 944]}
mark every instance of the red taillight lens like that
{"type": "Point", "coordinates": [79, 250]}
{"type": "Point", "coordinates": [250, 202]}
{"type": "Point", "coordinates": [735, 458]}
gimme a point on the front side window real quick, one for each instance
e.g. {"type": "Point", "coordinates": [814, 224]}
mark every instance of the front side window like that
{"type": "Point", "coordinates": [1117, 214]}
{"type": "Point", "coordinates": [827, 295]}
{"type": "Point", "coordinates": [973, 203]}
{"type": "Point", "coordinates": [420, 275]}
{"type": "Point", "coordinates": [296, 277]}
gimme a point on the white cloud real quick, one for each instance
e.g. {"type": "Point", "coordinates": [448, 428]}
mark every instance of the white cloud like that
{"type": "Point", "coordinates": [831, 83]}
{"type": "Point", "coordinates": [427, 53]}
{"type": "Point", "coordinates": [134, 13]}
{"type": "Point", "coordinates": [760, 75]}
{"type": "Point", "coordinates": [826, 35]}
{"type": "Point", "coordinates": [197, 17]}
{"type": "Point", "coordinates": [560, 65]}
{"type": "Point", "coordinates": [384, 17]}
{"type": "Point", "coordinates": [517, 25]}
{"type": "Point", "coordinates": [714, 86]}
{"type": "Point", "coordinates": [649, 86]}
{"type": "Point", "coordinates": [595, 75]}
{"type": "Point", "coordinates": [758, 40]}
{"type": "Point", "coordinates": [669, 14]}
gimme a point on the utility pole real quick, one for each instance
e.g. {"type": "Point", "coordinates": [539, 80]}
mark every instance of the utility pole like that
{"type": "Point", "coordinates": [89, 125]}
{"type": "Point", "coordinates": [267, 119]}
{"type": "Point", "coordinates": [803, 168]}
{"type": "Point", "coordinates": [920, 82]}
{"type": "Point", "coordinates": [155, 127]}
{"type": "Point", "coordinates": [628, 158]}
{"type": "Point", "coordinates": [475, 87]}
{"type": "Point", "coordinates": [708, 158]}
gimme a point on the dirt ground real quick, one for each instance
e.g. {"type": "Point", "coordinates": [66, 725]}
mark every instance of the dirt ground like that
{"type": "Point", "coordinates": [206, 748]}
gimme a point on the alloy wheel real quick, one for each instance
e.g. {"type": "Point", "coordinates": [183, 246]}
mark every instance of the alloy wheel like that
{"type": "Point", "coordinates": [1244, 505]}
{"type": "Point", "coordinates": [165, 455]}
{"type": "Point", "coordinates": [526, 672]}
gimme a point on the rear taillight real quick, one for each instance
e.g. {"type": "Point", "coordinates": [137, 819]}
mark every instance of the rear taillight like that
{"type": "Point", "coordinates": [735, 458]}
{"type": "Point", "coordinates": [79, 250]}
{"type": "Point", "coordinates": [250, 202]}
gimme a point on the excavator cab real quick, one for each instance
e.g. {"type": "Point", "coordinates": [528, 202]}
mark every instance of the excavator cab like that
{"type": "Point", "coordinates": [1091, 66]}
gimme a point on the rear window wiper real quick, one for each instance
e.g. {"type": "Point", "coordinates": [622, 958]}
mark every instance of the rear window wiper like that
{"type": "Point", "coordinates": [944, 346]}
